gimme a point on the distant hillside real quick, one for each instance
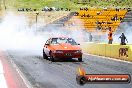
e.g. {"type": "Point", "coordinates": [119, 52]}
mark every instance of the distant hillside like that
{"type": "Point", "coordinates": [72, 4]}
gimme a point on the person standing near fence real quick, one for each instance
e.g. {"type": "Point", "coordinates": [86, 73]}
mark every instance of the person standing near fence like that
{"type": "Point", "coordinates": [123, 39]}
{"type": "Point", "coordinates": [110, 36]}
{"type": "Point", "coordinates": [90, 37]}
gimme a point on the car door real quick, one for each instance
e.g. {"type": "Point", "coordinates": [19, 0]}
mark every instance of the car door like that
{"type": "Point", "coordinates": [46, 47]}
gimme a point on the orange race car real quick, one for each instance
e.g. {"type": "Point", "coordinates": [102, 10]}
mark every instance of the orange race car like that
{"type": "Point", "coordinates": [60, 48]}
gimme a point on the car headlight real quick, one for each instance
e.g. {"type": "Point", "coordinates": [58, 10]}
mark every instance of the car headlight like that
{"type": "Point", "coordinates": [78, 51]}
{"type": "Point", "coordinates": [58, 51]}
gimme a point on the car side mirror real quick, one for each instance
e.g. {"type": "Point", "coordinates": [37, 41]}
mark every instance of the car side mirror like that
{"type": "Point", "coordinates": [47, 44]}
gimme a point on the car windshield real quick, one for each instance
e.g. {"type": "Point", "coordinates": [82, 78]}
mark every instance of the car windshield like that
{"type": "Point", "coordinates": [63, 40]}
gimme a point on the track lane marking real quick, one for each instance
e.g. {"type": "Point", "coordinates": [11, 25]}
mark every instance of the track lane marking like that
{"type": "Point", "coordinates": [109, 58]}
{"type": "Point", "coordinates": [26, 82]}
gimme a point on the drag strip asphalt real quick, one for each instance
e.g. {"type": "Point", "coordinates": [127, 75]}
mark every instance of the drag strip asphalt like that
{"type": "Point", "coordinates": [43, 73]}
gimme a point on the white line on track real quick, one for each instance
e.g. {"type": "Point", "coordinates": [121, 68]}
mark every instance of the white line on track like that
{"type": "Point", "coordinates": [3, 83]}
{"type": "Point", "coordinates": [114, 59]}
{"type": "Point", "coordinates": [27, 83]}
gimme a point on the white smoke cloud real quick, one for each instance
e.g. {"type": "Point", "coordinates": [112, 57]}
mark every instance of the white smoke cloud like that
{"type": "Point", "coordinates": [16, 35]}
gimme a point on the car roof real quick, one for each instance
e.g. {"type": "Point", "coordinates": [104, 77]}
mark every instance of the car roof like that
{"type": "Point", "coordinates": [60, 37]}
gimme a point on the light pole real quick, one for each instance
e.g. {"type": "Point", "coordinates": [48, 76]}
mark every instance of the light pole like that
{"type": "Point", "coordinates": [0, 5]}
{"type": "Point", "coordinates": [4, 2]}
{"type": "Point", "coordinates": [37, 13]}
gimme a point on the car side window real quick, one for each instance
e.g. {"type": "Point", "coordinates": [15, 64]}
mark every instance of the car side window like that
{"type": "Point", "coordinates": [54, 41]}
{"type": "Point", "coordinates": [71, 41]}
{"type": "Point", "coordinates": [47, 42]}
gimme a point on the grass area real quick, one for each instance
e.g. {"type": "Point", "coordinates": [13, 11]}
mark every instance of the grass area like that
{"type": "Point", "coordinates": [72, 4]}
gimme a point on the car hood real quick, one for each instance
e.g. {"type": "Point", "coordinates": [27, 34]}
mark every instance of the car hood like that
{"type": "Point", "coordinates": [65, 46]}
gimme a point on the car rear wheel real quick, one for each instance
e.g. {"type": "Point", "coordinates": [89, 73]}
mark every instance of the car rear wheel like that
{"type": "Point", "coordinates": [80, 59]}
{"type": "Point", "coordinates": [52, 59]}
{"type": "Point", "coordinates": [44, 55]}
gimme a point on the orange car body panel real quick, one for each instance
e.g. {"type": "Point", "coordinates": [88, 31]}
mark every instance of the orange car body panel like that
{"type": "Point", "coordinates": [65, 46]}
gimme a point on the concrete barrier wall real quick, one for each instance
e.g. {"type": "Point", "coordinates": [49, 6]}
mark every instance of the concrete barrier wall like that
{"type": "Point", "coordinates": [123, 52]}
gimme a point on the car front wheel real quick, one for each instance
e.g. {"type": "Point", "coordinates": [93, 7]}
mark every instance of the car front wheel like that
{"type": "Point", "coordinates": [44, 55]}
{"type": "Point", "coordinates": [80, 59]}
{"type": "Point", "coordinates": [51, 57]}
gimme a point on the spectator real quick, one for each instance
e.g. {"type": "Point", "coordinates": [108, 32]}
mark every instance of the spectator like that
{"type": "Point", "coordinates": [123, 39]}
{"type": "Point", "coordinates": [84, 15]}
{"type": "Point", "coordinates": [98, 23]}
{"type": "Point", "coordinates": [81, 8]}
{"type": "Point", "coordinates": [45, 8]}
{"type": "Point", "coordinates": [121, 19]}
{"type": "Point", "coordinates": [27, 9]}
{"type": "Point", "coordinates": [110, 34]}
{"type": "Point", "coordinates": [88, 15]}
{"type": "Point", "coordinates": [99, 27]}
{"type": "Point", "coordinates": [34, 9]}
{"type": "Point", "coordinates": [117, 9]}
{"type": "Point", "coordinates": [115, 18]}
{"type": "Point", "coordinates": [53, 8]}
{"type": "Point", "coordinates": [76, 13]}
{"type": "Point", "coordinates": [90, 37]}
{"type": "Point", "coordinates": [86, 9]}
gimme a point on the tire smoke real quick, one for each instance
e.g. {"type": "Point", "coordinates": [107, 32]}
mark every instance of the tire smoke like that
{"type": "Point", "coordinates": [15, 34]}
